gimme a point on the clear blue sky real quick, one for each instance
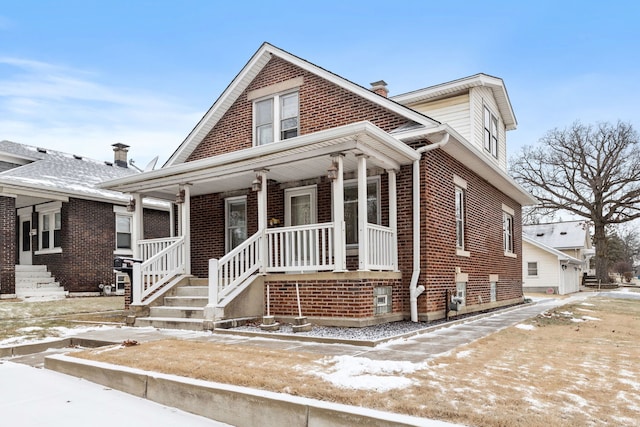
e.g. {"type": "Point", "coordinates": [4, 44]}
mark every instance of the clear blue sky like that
{"type": "Point", "coordinates": [78, 76]}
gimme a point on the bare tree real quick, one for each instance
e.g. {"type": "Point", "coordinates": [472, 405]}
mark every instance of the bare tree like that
{"type": "Point", "coordinates": [590, 171]}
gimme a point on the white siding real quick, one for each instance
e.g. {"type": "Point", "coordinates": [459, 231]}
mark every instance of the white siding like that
{"type": "Point", "coordinates": [548, 267]}
{"type": "Point", "coordinates": [452, 111]}
{"type": "Point", "coordinates": [479, 97]}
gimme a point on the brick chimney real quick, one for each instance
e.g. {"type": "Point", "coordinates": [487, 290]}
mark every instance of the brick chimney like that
{"type": "Point", "coordinates": [120, 154]}
{"type": "Point", "coordinates": [380, 87]}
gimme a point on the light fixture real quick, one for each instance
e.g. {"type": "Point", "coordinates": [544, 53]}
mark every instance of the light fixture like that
{"type": "Point", "coordinates": [180, 197]}
{"type": "Point", "coordinates": [256, 185]}
{"type": "Point", "coordinates": [332, 172]}
{"type": "Point", "coordinates": [564, 266]}
{"type": "Point", "coordinates": [131, 206]}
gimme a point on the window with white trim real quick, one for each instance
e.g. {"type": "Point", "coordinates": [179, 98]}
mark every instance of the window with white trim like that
{"type": "Point", "coordinates": [276, 118]}
{"type": "Point", "coordinates": [532, 269]}
{"type": "Point", "coordinates": [50, 227]}
{"type": "Point", "coordinates": [124, 230]}
{"type": "Point", "coordinates": [351, 206]}
{"type": "Point", "coordinates": [507, 232]}
{"type": "Point", "coordinates": [460, 196]}
{"type": "Point", "coordinates": [235, 221]}
{"type": "Point", "coordinates": [490, 132]}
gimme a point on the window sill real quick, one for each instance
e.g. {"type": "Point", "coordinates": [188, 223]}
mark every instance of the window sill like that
{"type": "Point", "coordinates": [510, 255]}
{"type": "Point", "coordinates": [124, 252]}
{"type": "Point", "coordinates": [463, 253]}
{"type": "Point", "coordinates": [48, 251]}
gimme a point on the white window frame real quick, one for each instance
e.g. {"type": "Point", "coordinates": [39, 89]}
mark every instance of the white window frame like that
{"type": "Point", "coordinates": [122, 211]}
{"type": "Point", "coordinates": [508, 215]}
{"type": "Point", "coordinates": [129, 217]}
{"type": "Point", "coordinates": [227, 203]}
{"type": "Point", "coordinates": [529, 268]}
{"type": "Point", "coordinates": [490, 131]}
{"type": "Point", "coordinates": [51, 210]}
{"type": "Point", "coordinates": [353, 183]}
{"type": "Point", "coordinates": [460, 197]}
{"type": "Point", "coordinates": [493, 291]}
{"type": "Point", "coordinates": [276, 116]}
{"type": "Point", "coordinates": [461, 293]}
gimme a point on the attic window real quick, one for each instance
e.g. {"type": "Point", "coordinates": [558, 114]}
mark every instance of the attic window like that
{"type": "Point", "coordinates": [41, 150]}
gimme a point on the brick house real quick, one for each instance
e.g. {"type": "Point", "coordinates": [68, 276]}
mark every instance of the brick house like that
{"type": "Point", "coordinates": [59, 232]}
{"type": "Point", "coordinates": [370, 208]}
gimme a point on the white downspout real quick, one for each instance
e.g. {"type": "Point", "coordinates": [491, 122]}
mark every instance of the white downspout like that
{"type": "Point", "coordinates": [414, 290]}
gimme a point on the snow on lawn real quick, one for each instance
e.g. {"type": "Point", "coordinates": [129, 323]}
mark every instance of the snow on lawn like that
{"type": "Point", "coordinates": [590, 318]}
{"type": "Point", "coordinates": [59, 332]}
{"type": "Point", "coordinates": [365, 374]}
{"type": "Point", "coordinates": [525, 327]}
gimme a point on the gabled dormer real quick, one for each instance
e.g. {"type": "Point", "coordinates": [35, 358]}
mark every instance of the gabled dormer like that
{"type": "Point", "coordinates": [477, 107]}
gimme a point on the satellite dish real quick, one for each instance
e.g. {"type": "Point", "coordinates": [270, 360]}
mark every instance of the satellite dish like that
{"type": "Point", "coordinates": [151, 165]}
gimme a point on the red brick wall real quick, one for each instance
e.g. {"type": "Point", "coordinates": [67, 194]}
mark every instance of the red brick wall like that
{"type": "Point", "coordinates": [483, 235]}
{"type": "Point", "coordinates": [8, 248]}
{"type": "Point", "coordinates": [323, 105]}
{"type": "Point", "coordinates": [329, 298]}
{"type": "Point", "coordinates": [88, 242]}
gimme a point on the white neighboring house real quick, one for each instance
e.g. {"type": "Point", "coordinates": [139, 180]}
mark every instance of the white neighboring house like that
{"type": "Point", "coordinates": [555, 256]}
{"type": "Point", "coordinates": [545, 269]}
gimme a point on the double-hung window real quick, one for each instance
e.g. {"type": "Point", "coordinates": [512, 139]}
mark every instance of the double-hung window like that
{"type": "Point", "coordinates": [123, 231]}
{"type": "Point", "coordinates": [532, 269]}
{"type": "Point", "coordinates": [459, 218]}
{"type": "Point", "coordinates": [351, 207]}
{"type": "Point", "coordinates": [490, 132]}
{"type": "Point", "coordinates": [276, 118]}
{"type": "Point", "coordinates": [235, 221]}
{"type": "Point", "coordinates": [507, 232]}
{"type": "Point", "coordinates": [50, 225]}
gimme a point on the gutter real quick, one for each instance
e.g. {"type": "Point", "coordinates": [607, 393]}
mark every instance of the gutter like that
{"type": "Point", "coordinates": [414, 290]}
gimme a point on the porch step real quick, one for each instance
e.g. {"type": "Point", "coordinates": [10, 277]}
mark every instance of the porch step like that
{"type": "Point", "coordinates": [186, 301]}
{"type": "Point", "coordinates": [34, 282]}
{"type": "Point", "coordinates": [177, 312]}
{"type": "Point", "coordinates": [192, 291]}
{"type": "Point", "coordinates": [171, 323]}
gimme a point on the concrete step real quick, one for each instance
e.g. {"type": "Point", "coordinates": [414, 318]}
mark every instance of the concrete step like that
{"type": "Point", "coordinates": [27, 268]}
{"type": "Point", "coordinates": [177, 312]}
{"type": "Point", "coordinates": [28, 284]}
{"type": "Point", "coordinates": [192, 291]}
{"type": "Point", "coordinates": [186, 301]}
{"type": "Point", "coordinates": [41, 294]}
{"type": "Point", "coordinates": [170, 323]}
{"type": "Point", "coordinates": [32, 274]}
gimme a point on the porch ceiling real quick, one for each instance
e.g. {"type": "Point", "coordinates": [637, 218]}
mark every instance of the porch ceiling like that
{"type": "Point", "coordinates": [304, 157]}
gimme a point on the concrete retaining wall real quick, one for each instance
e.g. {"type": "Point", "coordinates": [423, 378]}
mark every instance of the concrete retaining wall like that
{"type": "Point", "coordinates": [238, 406]}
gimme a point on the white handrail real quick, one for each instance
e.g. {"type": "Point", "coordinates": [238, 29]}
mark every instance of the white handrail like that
{"type": "Point", "coordinates": [300, 248]}
{"type": "Point", "coordinates": [150, 247]}
{"type": "Point", "coordinates": [381, 247]}
{"type": "Point", "coordinates": [235, 267]}
{"type": "Point", "coordinates": [158, 270]}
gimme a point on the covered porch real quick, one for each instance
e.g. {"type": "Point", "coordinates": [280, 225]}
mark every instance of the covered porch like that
{"type": "Point", "coordinates": [303, 170]}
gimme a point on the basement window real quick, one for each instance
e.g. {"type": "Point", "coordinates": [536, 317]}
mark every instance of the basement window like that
{"type": "Point", "coordinates": [382, 302]}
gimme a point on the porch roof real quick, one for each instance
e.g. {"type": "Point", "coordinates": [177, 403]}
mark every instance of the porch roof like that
{"type": "Point", "coordinates": [303, 157]}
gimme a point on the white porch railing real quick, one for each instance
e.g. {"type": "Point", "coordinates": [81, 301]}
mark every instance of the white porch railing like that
{"type": "Point", "coordinates": [150, 247]}
{"type": "Point", "coordinates": [166, 262]}
{"type": "Point", "coordinates": [234, 268]}
{"type": "Point", "coordinates": [300, 248]}
{"type": "Point", "coordinates": [380, 247]}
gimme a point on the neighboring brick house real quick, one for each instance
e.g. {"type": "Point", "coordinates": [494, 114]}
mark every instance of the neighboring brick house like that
{"type": "Point", "coordinates": [371, 209]}
{"type": "Point", "coordinates": [59, 232]}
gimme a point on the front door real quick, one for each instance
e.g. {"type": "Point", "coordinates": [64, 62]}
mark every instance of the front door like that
{"type": "Point", "coordinates": [300, 210]}
{"type": "Point", "coordinates": [25, 236]}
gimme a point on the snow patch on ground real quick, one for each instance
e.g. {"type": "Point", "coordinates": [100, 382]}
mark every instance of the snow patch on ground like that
{"type": "Point", "coordinates": [590, 318]}
{"type": "Point", "coordinates": [525, 327]}
{"type": "Point", "coordinates": [587, 304]}
{"type": "Point", "coordinates": [366, 374]}
{"type": "Point", "coordinates": [463, 354]}
{"type": "Point", "coordinates": [61, 332]}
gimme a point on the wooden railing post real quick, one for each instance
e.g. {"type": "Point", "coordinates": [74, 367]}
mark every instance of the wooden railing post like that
{"type": "Point", "coordinates": [210, 309]}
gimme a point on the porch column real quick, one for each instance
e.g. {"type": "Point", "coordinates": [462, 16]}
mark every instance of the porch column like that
{"type": "Point", "coordinates": [138, 225]}
{"type": "Point", "coordinates": [185, 226]}
{"type": "Point", "coordinates": [261, 175]}
{"type": "Point", "coordinates": [363, 244]}
{"type": "Point", "coordinates": [393, 216]}
{"type": "Point", "coordinates": [339, 254]}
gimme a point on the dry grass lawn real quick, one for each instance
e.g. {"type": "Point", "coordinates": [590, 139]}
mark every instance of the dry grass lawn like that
{"type": "Point", "coordinates": [575, 366]}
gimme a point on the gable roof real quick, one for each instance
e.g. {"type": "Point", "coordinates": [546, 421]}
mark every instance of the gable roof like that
{"type": "Point", "coordinates": [251, 70]}
{"type": "Point", "coordinates": [463, 85]}
{"type": "Point", "coordinates": [54, 173]}
{"type": "Point", "coordinates": [561, 255]}
{"type": "Point", "coordinates": [560, 235]}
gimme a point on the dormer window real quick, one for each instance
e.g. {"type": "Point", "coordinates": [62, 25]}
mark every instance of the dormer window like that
{"type": "Point", "coordinates": [490, 132]}
{"type": "Point", "coordinates": [276, 118]}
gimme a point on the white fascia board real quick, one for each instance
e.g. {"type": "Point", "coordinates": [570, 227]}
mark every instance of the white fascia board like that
{"type": "Point", "coordinates": [15, 191]}
{"type": "Point", "coordinates": [183, 172]}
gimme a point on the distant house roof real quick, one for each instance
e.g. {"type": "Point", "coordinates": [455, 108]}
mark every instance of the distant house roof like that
{"type": "Point", "coordinates": [560, 235]}
{"type": "Point", "coordinates": [561, 255]}
{"type": "Point", "coordinates": [57, 173]}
